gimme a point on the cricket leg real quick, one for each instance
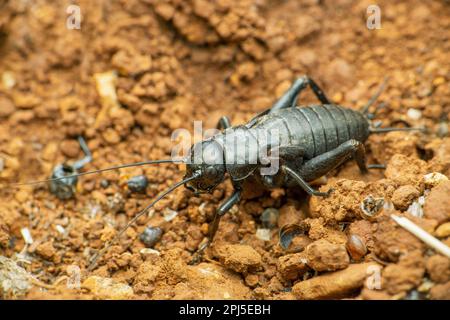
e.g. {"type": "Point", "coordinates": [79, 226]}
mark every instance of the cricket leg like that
{"type": "Point", "coordinates": [290, 96]}
{"type": "Point", "coordinates": [214, 225]}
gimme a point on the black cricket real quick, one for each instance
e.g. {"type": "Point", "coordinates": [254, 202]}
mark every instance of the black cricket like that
{"type": "Point", "coordinates": [313, 140]}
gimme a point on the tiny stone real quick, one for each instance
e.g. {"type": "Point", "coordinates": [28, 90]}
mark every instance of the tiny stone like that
{"type": "Point", "coordinates": [356, 247]}
{"type": "Point", "coordinates": [443, 230]}
{"type": "Point", "coordinates": [415, 209]}
{"type": "Point", "coordinates": [138, 184]}
{"type": "Point", "coordinates": [433, 179]}
{"type": "Point", "coordinates": [263, 234]}
{"type": "Point", "coordinates": [404, 196]}
{"type": "Point", "coordinates": [169, 214]}
{"type": "Point", "coordinates": [252, 280]}
{"type": "Point", "coordinates": [60, 229]}
{"type": "Point", "coordinates": [269, 218]}
{"type": "Point", "coordinates": [115, 203]}
{"type": "Point", "coordinates": [26, 235]}
{"type": "Point", "coordinates": [151, 236]}
{"type": "Point", "coordinates": [104, 183]}
{"type": "Point", "coordinates": [414, 114]}
{"type": "Point", "coordinates": [149, 251]}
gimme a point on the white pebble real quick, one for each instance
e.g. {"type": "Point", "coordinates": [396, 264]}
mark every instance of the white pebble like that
{"type": "Point", "coordinates": [8, 80]}
{"type": "Point", "coordinates": [26, 235]}
{"type": "Point", "coordinates": [169, 214]}
{"type": "Point", "coordinates": [433, 179]}
{"type": "Point", "coordinates": [414, 114]}
{"type": "Point", "coordinates": [415, 209]}
{"type": "Point", "coordinates": [106, 87]}
{"type": "Point", "coordinates": [201, 208]}
{"type": "Point", "coordinates": [148, 251]}
{"type": "Point", "coordinates": [60, 229]}
{"type": "Point", "coordinates": [93, 210]}
{"type": "Point", "coordinates": [263, 234]}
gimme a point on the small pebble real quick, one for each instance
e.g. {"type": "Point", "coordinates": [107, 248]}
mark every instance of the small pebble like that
{"type": "Point", "coordinates": [404, 196]}
{"type": "Point", "coordinates": [138, 184]}
{"type": "Point", "coordinates": [414, 295]}
{"type": "Point", "coordinates": [443, 230]}
{"type": "Point", "coordinates": [425, 286]}
{"type": "Point", "coordinates": [415, 209]}
{"type": "Point", "coordinates": [151, 236]}
{"type": "Point", "coordinates": [8, 80]}
{"type": "Point", "coordinates": [356, 247]}
{"type": "Point", "coordinates": [433, 179]}
{"type": "Point", "coordinates": [26, 235]}
{"type": "Point", "coordinates": [269, 218]}
{"type": "Point", "coordinates": [442, 130]}
{"type": "Point", "coordinates": [60, 229]}
{"type": "Point", "coordinates": [115, 203]}
{"type": "Point", "coordinates": [104, 183]}
{"type": "Point", "coordinates": [149, 251]}
{"type": "Point", "coordinates": [263, 234]}
{"type": "Point", "coordinates": [169, 214]}
{"type": "Point", "coordinates": [414, 114]}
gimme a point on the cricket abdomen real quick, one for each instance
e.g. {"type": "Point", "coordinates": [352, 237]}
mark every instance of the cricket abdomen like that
{"type": "Point", "coordinates": [317, 129]}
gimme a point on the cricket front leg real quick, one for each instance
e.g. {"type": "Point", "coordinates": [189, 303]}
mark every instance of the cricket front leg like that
{"type": "Point", "coordinates": [214, 225]}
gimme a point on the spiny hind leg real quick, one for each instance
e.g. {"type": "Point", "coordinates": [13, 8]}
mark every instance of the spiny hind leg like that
{"type": "Point", "coordinates": [303, 184]}
{"type": "Point", "coordinates": [214, 225]}
{"type": "Point", "coordinates": [290, 96]}
{"type": "Point", "coordinates": [322, 164]}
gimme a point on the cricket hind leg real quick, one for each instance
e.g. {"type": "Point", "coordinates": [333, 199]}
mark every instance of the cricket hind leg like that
{"type": "Point", "coordinates": [289, 98]}
{"type": "Point", "coordinates": [322, 164]}
{"type": "Point", "coordinates": [303, 184]}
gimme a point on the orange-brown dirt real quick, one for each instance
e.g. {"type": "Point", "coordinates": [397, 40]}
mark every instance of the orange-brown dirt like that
{"type": "Point", "coordinates": [177, 61]}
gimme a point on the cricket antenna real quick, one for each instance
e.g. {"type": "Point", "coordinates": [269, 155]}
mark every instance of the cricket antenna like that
{"type": "Point", "coordinates": [365, 109]}
{"type": "Point", "coordinates": [135, 164]}
{"type": "Point", "coordinates": [383, 130]}
{"type": "Point", "coordinates": [94, 259]}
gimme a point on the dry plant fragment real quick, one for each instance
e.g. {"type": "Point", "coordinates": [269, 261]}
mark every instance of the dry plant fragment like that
{"type": "Point", "coordinates": [422, 235]}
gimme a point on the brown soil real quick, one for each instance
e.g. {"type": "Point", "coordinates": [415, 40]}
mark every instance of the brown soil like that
{"type": "Point", "coordinates": [183, 60]}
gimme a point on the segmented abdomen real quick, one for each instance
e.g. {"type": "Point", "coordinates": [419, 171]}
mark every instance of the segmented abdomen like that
{"type": "Point", "coordinates": [317, 128]}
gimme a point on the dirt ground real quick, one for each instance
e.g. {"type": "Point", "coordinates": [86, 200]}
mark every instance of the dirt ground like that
{"type": "Point", "coordinates": [177, 61]}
